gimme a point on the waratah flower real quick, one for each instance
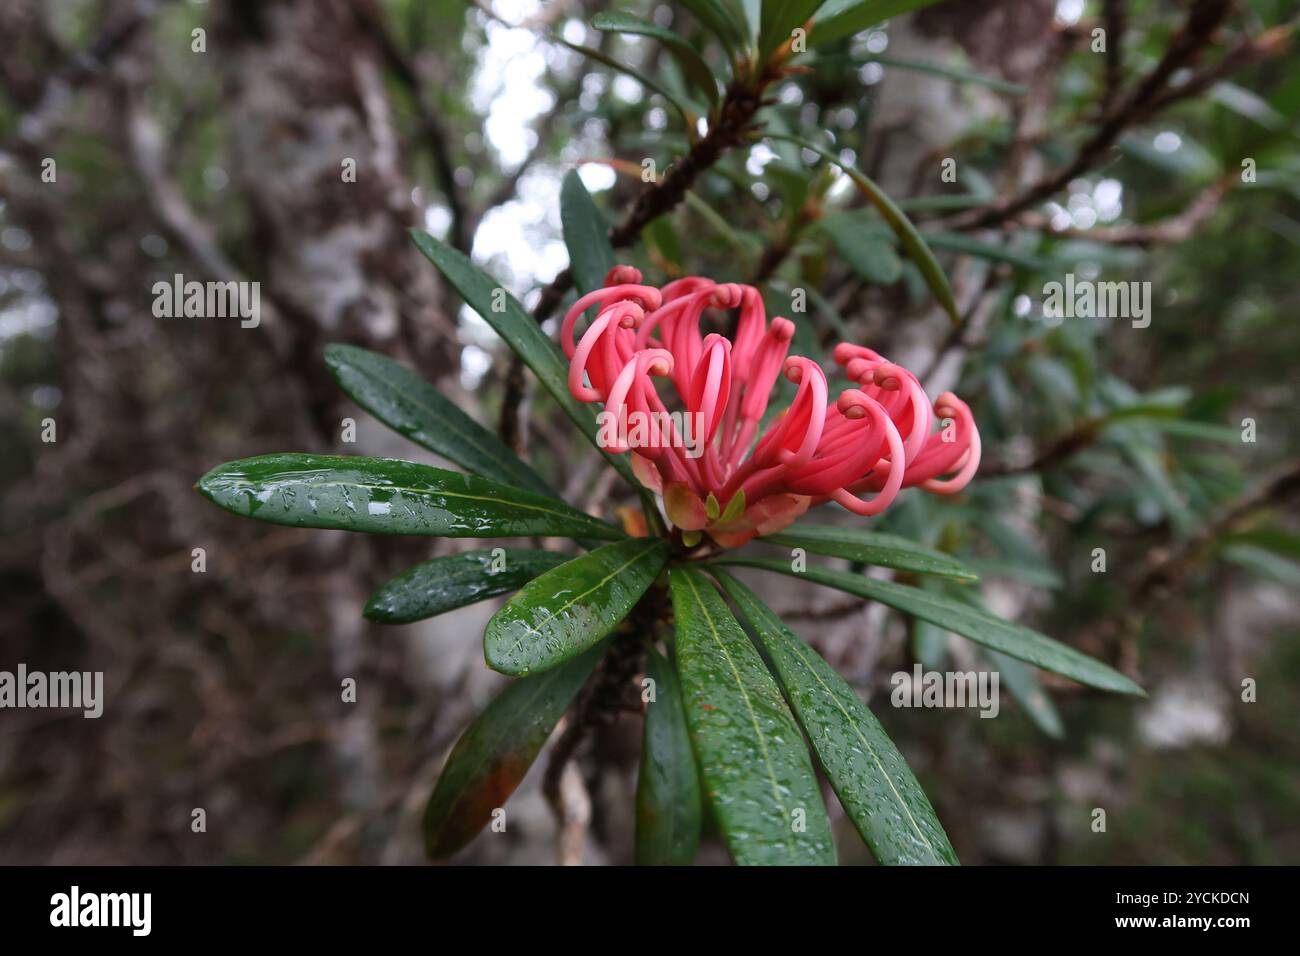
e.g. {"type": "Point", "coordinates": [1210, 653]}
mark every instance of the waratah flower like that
{"type": "Point", "coordinates": [702, 449]}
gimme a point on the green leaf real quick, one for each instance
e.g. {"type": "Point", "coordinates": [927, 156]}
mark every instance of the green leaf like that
{"type": "Point", "coordinates": [693, 65]}
{"type": "Point", "coordinates": [735, 508]}
{"type": "Point", "coordinates": [413, 408]}
{"type": "Point", "coordinates": [869, 775]}
{"type": "Point", "coordinates": [929, 644]}
{"type": "Point", "coordinates": [907, 233]}
{"type": "Point", "coordinates": [871, 547]}
{"type": "Point", "coordinates": [585, 234]}
{"type": "Point", "coordinates": [942, 203]}
{"type": "Point", "coordinates": [520, 332]}
{"type": "Point", "coordinates": [845, 19]}
{"type": "Point", "coordinates": [1040, 574]}
{"type": "Point", "coordinates": [689, 115]}
{"type": "Point", "coordinates": [1263, 562]}
{"type": "Point", "coordinates": [668, 801]}
{"type": "Point", "coordinates": [778, 22]}
{"type": "Point", "coordinates": [1197, 431]}
{"type": "Point", "coordinates": [994, 252]}
{"type": "Point", "coordinates": [387, 496]}
{"type": "Point", "coordinates": [1276, 540]}
{"type": "Point", "coordinates": [456, 580]}
{"type": "Point", "coordinates": [868, 252]}
{"type": "Point", "coordinates": [953, 73]}
{"type": "Point", "coordinates": [1024, 687]}
{"type": "Point", "coordinates": [982, 628]}
{"type": "Point", "coordinates": [723, 21]}
{"type": "Point", "coordinates": [826, 309]}
{"type": "Point", "coordinates": [662, 239]}
{"type": "Point", "coordinates": [746, 243]}
{"type": "Point", "coordinates": [571, 607]}
{"type": "Point", "coordinates": [493, 755]}
{"type": "Point", "coordinates": [752, 757]}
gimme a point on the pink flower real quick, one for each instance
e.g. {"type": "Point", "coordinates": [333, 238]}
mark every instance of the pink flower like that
{"type": "Point", "coordinates": [703, 451]}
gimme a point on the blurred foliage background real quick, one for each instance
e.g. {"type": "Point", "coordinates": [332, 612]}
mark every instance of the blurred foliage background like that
{"type": "Point", "coordinates": [1171, 156]}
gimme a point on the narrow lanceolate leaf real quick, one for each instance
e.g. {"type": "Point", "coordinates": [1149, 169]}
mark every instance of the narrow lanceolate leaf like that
{"type": "Point", "coordinates": [503, 312]}
{"type": "Point", "coordinates": [692, 64]}
{"type": "Point", "coordinates": [753, 760]}
{"type": "Point", "coordinates": [387, 496]}
{"type": "Point", "coordinates": [954, 74]}
{"type": "Point", "coordinates": [871, 547]}
{"type": "Point", "coordinates": [688, 114]}
{"type": "Point", "coordinates": [869, 775]}
{"type": "Point", "coordinates": [412, 407]}
{"type": "Point", "coordinates": [456, 580]}
{"type": "Point", "coordinates": [1013, 639]}
{"type": "Point", "coordinates": [868, 252]}
{"type": "Point", "coordinates": [496, 750]}
{"type": "Point", "coordinates": [907, 233]}
{"type": "Point", "coordinates": [585, 234]}
{"type": "Point", "coordinates": [569, 608]}
{"type": "Point", "coordinates": [722, 20]}
{"type": "Point", "coordinates": [844, 19]}
{"type": "Point", "coordinates": [993, 251]}
{"type": "Point", "coordinates": [1020, 680]}
{"type": "Point", "coordinates": [929, 644]}
{"type": "Point", "coordinates": [778, 21]}
{"type": "Point", "coordinates": [668, 787]}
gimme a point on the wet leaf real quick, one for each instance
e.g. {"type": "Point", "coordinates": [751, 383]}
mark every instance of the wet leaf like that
{"type": "Point", "coordinates": [571, 607]}
{"type": "Point", "coordinates": [668, 785]}
{"type": "Point", "coordinates": [412, 407]}
{"type": "Point", "coordinates": [456, 580]}
{"type": "Point", "coordinates": [494, 753]}
{"type": "Point", "coordinates": [387, 496]}
{"type": "Point", "coordinates": [1013, 639]}
{"type": "Point", "coordinates": [872, 780]}
{"type": "Point", "coordinates": [871, 547]}
{"type": "Point", "coordinates": [752, 757]}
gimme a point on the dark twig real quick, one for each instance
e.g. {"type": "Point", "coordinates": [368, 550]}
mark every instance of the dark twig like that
{"type": "Point", "coordinates": [509, 426]}
{"type": "Point", "coordinates": [1062, 449]}
{"type": "Point", "coordinates": [601, 701]}
{"type": "Point", "coordinates": [735, 119]}
{"type": "Point", "coordinates": [1177, 228]}
{"type": "Point", "coordinates": [1166, 568]}
{"type": "Point", "coordinates": [1144, 99]}
{"type": "Point", "coordinates": [429, 124]}
{"type": "Point", "coordinates": [1116, 16]}
{"type": "Point", "coordinates": [1246, 53]}
{"type": "Point", "coordinates": [81, 68]}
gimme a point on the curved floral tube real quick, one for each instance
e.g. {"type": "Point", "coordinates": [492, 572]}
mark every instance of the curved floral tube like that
{"type": "Point", "coordinates": [703, 448]}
